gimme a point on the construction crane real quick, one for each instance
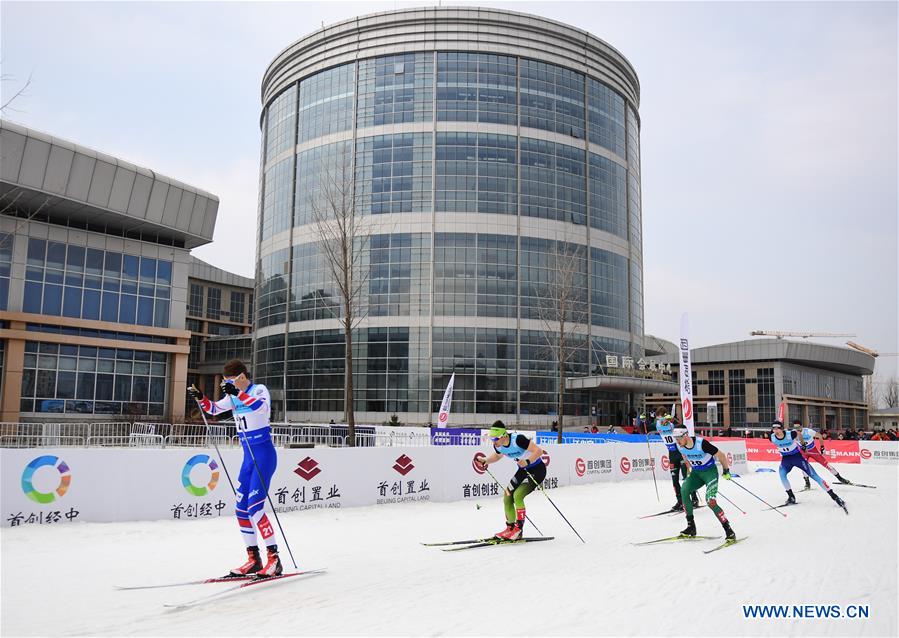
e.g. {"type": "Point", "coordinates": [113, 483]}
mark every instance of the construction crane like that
{"type": "Point", "coordinates": [869, 351]}
{"type": "Point", "coordinates": [805, 335]}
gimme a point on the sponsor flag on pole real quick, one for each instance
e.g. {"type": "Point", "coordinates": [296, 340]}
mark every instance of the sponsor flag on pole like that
{"type": "Point", "coordinates": [443, 416]}
{"type": "Point", "coordinates": [782, 412]}
{"type": "Point", "coordinates": [686, 375]}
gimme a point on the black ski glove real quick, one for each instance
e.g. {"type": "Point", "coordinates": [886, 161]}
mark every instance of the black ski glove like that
{"type": "Point", "coordinates": [194, 393]}
{"type": "Point", "coordinates": [230, 388]}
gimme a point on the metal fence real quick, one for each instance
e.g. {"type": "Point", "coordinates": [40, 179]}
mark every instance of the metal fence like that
{"type": "Point", "coordinates": [161, 435]}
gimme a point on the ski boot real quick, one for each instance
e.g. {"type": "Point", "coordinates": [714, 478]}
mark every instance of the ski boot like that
{"type": "Point", "coordinates": [728, 531]}
{"type": "Point", "coordinates": [504, 535]}
{"type": "Point", "coordinates": [844, 481]}
{"type": "Point", "coordinates": [272, 565]}
{"type": "Point", "coordinates": [690, 529]}
{"type": "Point", "coordinates": [791, 499]}
{"type": "Point", "coordinates": [253, 564]}
{"type": "Point", "coordinates": [518, 528]}
{"type": "Point", "coordinates": [677, 507]}
{"type": "Point", "coordinates": [838, 500]}
{"type": "Point", "coordinates": [808, 484]}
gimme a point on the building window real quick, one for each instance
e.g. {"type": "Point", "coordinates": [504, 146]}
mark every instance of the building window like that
{"type": "Point", "coordinates": [223, 329]}
{"type": "Point", "coordinates": [393, 173]}
{"type": "Point", "coordinates": [476, 87]}
{"type": "Point", "coordinates": [237, 306]}
{"type": "Point", "coordinates": [213, 303]}
{"type": "Point", "coordinates": [87, 283]}
{"type": "Point", "coordinates": [765, 387]}
{"type": "Point", "coordinates": [395, 89]}
{"type": "Point", "coordinates": [89, 380]}
{"type": "Point", "coordinates": [552, 98]}
{"type": "Point", "coordinates": [6, 243]}
{"type": "Point", "coordinates": [716, 383]}
{"type": "Point", "coordinates": [195, 301]}
{"type": "Point", "coordinates": [737, 395]}
{"type": "Point", "coordinates": [477, 172]}
{"type": "Point", "coordinates": [326, 102]}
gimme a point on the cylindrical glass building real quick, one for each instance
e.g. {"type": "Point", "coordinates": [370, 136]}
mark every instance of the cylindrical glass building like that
{"type": "Point", "coordinates": [483, 144]}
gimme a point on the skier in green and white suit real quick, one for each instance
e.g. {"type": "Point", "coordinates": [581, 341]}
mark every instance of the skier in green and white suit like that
{"type": "Point", "coordinates": [700, 456]}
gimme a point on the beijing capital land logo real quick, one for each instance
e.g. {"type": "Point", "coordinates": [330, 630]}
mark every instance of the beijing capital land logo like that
{"type": "Point", "coordinates": [187, 482]}
{"type": "Point", "coordinates": [625, 465]}
{"type": "Point", "coordinates": [307, 468]}
{"type": "Point", "coordinates": [403, 465]}
{"type": "Point", "coordinates": [476, 462]}
{"type": "Point", "coordinates": [65, 479]}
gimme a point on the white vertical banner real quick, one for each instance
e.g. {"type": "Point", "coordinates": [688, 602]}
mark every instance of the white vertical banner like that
{"type": "Point", "coordinates": [443, 416]}
{"type": "Point", "coordinates": [686, 374]}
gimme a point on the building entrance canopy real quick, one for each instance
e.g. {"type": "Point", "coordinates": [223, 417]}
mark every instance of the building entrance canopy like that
{"type": "Point", "coordinates": [627, 384]}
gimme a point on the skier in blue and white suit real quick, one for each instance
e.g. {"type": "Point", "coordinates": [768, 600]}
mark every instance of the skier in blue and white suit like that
{"type": "Point", "coordinates": [251, 405]}
{"type": "Point", "coordinates": [790, 457]}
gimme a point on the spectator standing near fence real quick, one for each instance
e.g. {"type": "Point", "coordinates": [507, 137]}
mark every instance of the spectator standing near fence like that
{"type": "Point", "coordinates": [251, 405]}
{"type": "Point", "coordinates": [531, 472]}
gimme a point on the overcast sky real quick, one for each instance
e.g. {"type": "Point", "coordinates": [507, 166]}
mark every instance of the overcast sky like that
{"type": "Point", "coordinates": [769, 137]}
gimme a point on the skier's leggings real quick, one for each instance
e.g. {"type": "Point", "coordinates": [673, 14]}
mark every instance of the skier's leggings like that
{"type": "Point", "coordinates": [252, 491]}
{"type": "Point", "coordinates": [678, 471]}
{"type": "Point", "coordinates": [697, 479]}
{"type": "Point", "coordinates": [520, 486]}
{"type": "Point", "coordinates": [787, 463]}
{"type": "Point", "coordinates": [815, 455]}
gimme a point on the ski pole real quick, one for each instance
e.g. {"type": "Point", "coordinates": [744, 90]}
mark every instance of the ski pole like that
{"type": "Point", "coordinates": [540, 487]}
{"type": "Point", "coordinates": [730, 501]}
{"type": "Point", "coordinates": [215, 445]}
{"type": "Point", "coordinates": [502, 488]}
{"type": "Point", "coordinates": [652, 463]}
{"type": "Point", "coordinates": [249, 449]}
{"type": "Point", "coordinates": [759, 498]}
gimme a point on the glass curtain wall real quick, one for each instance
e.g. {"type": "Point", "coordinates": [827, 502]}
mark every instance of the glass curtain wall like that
{"type": "Point", "coordinates": [411, 129]}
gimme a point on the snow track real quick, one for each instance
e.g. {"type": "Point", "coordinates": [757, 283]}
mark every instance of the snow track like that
{"type": "Point", "coordinates": [58, 580]}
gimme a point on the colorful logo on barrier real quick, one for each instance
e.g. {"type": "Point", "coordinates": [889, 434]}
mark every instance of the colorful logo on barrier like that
{"type": "Point", "coordinates": [730, 458]}
{"type": "Point", "coordinates": [403, 465]}
{"type": "Point", "coordinates": [545, 459]}
{"type": "Point", "coordinates": [475, 462]}
{"type": "Point", "coordinates": [865, 453]}
{"type": "Point", "coordinates": [199, 459]}
{"type": "Point", "coordinates": [666, 463]}
{"type": "Point", "coordinates": [625, 465]}
{"type": "Point", "coordinates": [65, 478]}
{"type": "Point", "coordinates": [580, 468]}
{"type": "Point", "coordinates": [307, 468]}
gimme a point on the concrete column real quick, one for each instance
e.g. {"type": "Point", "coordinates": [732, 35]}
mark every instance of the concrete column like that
{"type": "Point", "coordinates": [12, 378]}
{"type": "Point", "coordinates": [178, 385]}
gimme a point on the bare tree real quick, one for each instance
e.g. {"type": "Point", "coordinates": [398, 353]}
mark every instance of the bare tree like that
{"type": "Point", "coordinates": [7, 103]}
{"type": "Point", "coordinates": [889, 393]}
{"type": "Point", "coordinates": [343, 235]}
{"type": "Point", "coordinates": [561, 307]}
{"type": "Point", "coordinates": [9, 205]}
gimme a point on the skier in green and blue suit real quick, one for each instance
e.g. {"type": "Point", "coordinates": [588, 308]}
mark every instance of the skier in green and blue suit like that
{"type": "Point", "coordinates": [531, 471]}
{"type": "Point", "coordinates": [700, 456]}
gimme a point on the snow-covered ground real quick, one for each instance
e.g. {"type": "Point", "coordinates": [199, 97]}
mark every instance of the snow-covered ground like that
{"type": "Point", "coordinates": [59, 580]}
